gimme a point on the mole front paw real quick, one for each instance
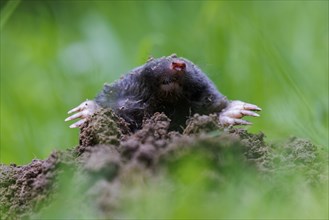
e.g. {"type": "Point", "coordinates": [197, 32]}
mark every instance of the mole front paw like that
{"type": "Point", "coordinates": [84, 110]}
{"type": "Point", "coordinates": [233, 113]}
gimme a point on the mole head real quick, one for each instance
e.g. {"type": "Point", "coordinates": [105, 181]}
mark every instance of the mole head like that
{"type": "Point", "coordinates": [166, 75]}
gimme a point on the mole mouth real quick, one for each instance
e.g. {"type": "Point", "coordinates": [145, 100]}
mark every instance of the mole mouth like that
{"type": "Point", "coordinates": [167, 82]}
{"type": "Point", "coordinates": [169, 86]}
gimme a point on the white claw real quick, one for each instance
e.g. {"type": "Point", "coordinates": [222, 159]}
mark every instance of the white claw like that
{"type": "Point", "coordinates": [236, 113]}
{"type": "Point", "coordinates": [249, 113]}
{"type": "Point", "coordinates": [74, 110]}
{"type": "Point", "coordinates": [243, 105]}
{"type": "Point", "coordinates": [233, 113]}
{"type": "Point", "coordinates": [78, 123]}
{"type": "Point", "coordinates": [248, 106]}
{"type": "Point", "coordinates": [84, 110]}
{"type": "Point", "coordinates": [83, 114]}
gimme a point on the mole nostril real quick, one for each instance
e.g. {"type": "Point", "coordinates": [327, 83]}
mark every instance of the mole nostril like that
{"type": "Point", "coordinates": [178, 65]}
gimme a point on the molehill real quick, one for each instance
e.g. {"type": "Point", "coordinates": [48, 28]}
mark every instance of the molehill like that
{"type": "Point", "coordinates": [111, 158]}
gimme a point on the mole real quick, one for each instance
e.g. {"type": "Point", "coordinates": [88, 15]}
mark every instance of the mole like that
{"type": "Point", "coordinates": [172, 85]}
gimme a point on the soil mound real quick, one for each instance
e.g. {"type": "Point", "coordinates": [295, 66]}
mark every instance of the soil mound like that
{"type": "Point", "coordinates": [111, 158]}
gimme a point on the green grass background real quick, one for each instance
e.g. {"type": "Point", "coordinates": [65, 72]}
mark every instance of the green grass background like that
{"type": "Point", "coordinates": [56, 54]}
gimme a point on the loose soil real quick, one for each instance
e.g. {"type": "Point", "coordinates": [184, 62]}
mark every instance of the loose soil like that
{"type": "Point", "coordinates": [111, 157]}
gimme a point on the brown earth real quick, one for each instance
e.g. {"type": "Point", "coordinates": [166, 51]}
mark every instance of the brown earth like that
{"type": "Point", "coordinates": [110, 156]}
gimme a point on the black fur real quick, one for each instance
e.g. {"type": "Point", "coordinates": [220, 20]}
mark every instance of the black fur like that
{"type": "Point", "coordinates": [140, 93]}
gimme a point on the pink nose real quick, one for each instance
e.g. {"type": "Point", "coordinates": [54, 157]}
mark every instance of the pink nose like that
{"type": "Point", "coordinates": [178, 65]}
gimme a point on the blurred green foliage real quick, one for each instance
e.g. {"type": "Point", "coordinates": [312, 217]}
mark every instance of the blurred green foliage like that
{"type": "Point", "coordinates": [198, 184]}
{"type": "Point", "coordinates": [192, 193]}
{"type": "Point", "coordinates": [56, 54]}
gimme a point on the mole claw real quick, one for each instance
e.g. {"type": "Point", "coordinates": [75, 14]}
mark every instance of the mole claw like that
{"type": "Point", "coordinates": [241, 122]}
{"type": "Point", "coordinates": [73, 126]}
{"type": "Point", "coordinates": [248, 106]}
{"type": "Point", "coordinates": [233, 113]}
{"type": "Point", "coordinates": [257, 108]}
{"type": "Point", "coordinates": [78, 123]}
{"type": "Point", "coordinates": [73, 110]}
{"type": "Point", "coordinates": [75, 116]}
{"type": "Point", "coordinates": [84, 110]}
{"type": "Point", "coordinates": [249, 113]}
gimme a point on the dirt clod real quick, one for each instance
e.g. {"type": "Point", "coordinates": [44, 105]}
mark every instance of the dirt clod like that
{"type": "Point", "coordinates": [103, 130]}
{"type": "Point", "coordinates": [202, 123]}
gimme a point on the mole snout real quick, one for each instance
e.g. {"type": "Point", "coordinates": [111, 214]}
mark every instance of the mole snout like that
{"type": "Point", "coordinates": [178, 65]}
